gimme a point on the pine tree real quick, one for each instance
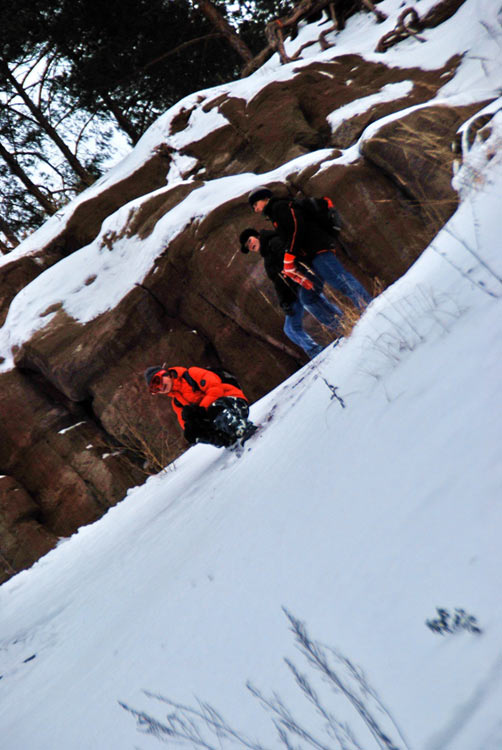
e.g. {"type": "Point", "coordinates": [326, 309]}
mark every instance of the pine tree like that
{"type": "Point", "coordinates": [8, 81]}
{"type": "Point", "coordinates": [122, 54]}
{"type": "Point", "coordinates": [72, 71]}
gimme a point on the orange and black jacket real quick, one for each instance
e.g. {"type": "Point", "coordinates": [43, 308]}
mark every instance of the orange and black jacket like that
{"type": "Point", "coordinates": [198, 387]}
{"type": "Point", "coordinates": [302, 237]}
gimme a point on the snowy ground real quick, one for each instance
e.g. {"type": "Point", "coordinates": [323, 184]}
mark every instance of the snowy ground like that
{"type": "Point", "coordinates": [359, 519]}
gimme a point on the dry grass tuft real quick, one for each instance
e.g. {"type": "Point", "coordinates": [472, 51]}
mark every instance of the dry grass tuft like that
{"type": "Point", "coordinates": [352, 314]}
{"type": "Point", "coordinates": [141, 449]}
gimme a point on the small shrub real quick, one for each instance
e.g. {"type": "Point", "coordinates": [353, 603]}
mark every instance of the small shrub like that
{"type": "Point", "coordinates": [451, 623]}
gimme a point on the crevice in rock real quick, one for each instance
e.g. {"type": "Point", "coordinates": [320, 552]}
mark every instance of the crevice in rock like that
{"type": "Point", "coordinates": [251, 330]}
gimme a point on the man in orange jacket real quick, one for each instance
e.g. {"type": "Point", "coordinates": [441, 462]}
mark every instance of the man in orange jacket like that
{"type": "Point", "coordinates": [210, 408]}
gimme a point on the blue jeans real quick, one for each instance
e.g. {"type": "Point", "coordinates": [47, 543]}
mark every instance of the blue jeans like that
{"type": "Point", "coordinates": [329, 269]}
{"type": "Point", "coordinates": [318, 306]}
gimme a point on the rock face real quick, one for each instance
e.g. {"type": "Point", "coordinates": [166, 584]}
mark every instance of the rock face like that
{"type": "Point", "coordinates": [24, 538]}
{"type": "Point", "coordinates": [78, 428]}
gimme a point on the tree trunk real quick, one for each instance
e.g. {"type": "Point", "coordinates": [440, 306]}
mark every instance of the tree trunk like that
{"type": "Point", "coordinates": [9, 234]}
{"type": "Point", "coordinates": [37, 113]}
{"type": "Point", "coordinates": [219, 23]}
{"type": "Point", "coordinates": [19, 172]}
{"type": "Point", "coordinates": [124, 123]}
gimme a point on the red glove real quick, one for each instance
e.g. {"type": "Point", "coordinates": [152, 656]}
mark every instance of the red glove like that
{"type": "Point", "coordinates": [291, 272]}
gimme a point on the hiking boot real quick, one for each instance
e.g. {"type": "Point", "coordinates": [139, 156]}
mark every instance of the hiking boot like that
{"type": "Point", "coordinates": [249, 430]}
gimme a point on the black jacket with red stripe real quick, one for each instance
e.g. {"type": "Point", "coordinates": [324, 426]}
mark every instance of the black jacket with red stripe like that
{"type": "Point", "coordinates": [272, 252]}
{"type": "Point", "coordinates": [302, 236]}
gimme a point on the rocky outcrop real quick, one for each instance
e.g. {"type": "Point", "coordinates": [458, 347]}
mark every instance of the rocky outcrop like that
{"type": "Point", "coordinates": [78, 428]}
{"type": "Point", "coordinates": [24, 538]}
{"type": "Point", "coordinates": [61, 469]}
{"type": "Point", "coordinates": [288, 119]}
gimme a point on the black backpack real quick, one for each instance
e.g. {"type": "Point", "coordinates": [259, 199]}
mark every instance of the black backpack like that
{"type": "Point", "coordinates": [321, 211]}
{"type": "Point", "coordinates": [224, 375]}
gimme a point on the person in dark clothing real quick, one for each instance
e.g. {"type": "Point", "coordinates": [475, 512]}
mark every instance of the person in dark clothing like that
{"type": "Point", "coordinates": [308, 246]}
{"type": "Point", "coordinates": [208, 409]}
{"type": "Point", "coordinates": [293, 299]}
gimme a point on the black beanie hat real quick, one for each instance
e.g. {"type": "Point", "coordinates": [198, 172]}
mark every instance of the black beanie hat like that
{"type": "Point", "coordinates": [245, 235]}
{"type": "Point", "coordinates": [150, 372]}
{"type": "Point", "coordinates": [258, 194]}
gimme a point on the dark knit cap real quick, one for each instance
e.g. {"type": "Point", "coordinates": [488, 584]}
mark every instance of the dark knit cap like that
{"type": "Point", "coordinates": [245, 235]}
{"type": "Point", "coordinates": [150, 372]}
{"type": "Point", "coordinates": [258, 194]}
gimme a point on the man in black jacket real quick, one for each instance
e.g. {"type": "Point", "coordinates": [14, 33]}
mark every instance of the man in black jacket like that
{"type": "Point", "coordinates": [293, 299]}
{"type": "Point", "coordinates": [309, 247]}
